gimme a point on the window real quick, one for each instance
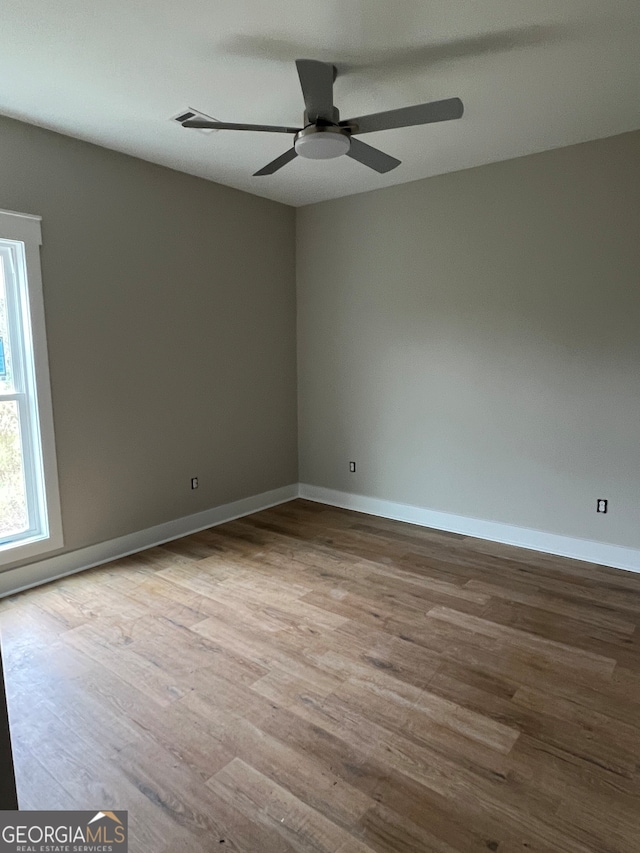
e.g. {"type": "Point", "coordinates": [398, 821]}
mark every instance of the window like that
{"type": "Point", "coordinates": [29, 504]}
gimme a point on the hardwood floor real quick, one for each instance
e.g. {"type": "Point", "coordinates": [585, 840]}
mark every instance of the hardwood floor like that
{"type": "Point", "coordinates": [311, 679]}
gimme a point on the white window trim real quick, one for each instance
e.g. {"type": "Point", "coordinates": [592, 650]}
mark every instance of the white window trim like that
{"type": "Point", "coordinates": [26, 228]}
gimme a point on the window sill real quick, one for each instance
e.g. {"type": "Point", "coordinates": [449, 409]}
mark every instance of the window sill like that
{"type": "Point", "coordinates": [28, 548]}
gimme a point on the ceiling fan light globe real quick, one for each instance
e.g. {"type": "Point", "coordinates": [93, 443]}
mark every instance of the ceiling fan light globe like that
{"type": "Point", "coordinates": [324, 144]}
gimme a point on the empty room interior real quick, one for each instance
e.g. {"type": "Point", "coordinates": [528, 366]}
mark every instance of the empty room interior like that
{"type": "Point", "coordinates": [319, 435]}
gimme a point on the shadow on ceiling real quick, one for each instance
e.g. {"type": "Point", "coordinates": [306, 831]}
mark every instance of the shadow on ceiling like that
{"type": "Point", "coordinates": [408, 58]}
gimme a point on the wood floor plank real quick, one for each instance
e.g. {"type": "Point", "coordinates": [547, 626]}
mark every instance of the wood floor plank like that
{"type": "Point", "coordinates": [561, 653]}
{"type": "Point", "coordinates": [590, 611]}
{"type": "Point", "coordinates": [571, 740]}
{"type": "Point", "coordinates": [279, 810]}
{"type": "Point", "coordinates": [314, 680]}
{"type": "Point", "coordinates": [565, 631]}
{"type": "Point", "coordinates": [287, 764]}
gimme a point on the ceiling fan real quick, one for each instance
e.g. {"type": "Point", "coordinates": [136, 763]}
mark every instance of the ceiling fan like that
{"type": "Point", "coordinates": [324, 136]}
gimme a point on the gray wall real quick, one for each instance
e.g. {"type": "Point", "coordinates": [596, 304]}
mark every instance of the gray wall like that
{"type": "Point", "coordinates": [473, 342]}
{"type": "Point", "coordinates": [170, 310]}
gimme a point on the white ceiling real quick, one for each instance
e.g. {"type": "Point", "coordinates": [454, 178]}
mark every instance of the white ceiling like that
{"type": "Point", "coordinates": [532, 76]}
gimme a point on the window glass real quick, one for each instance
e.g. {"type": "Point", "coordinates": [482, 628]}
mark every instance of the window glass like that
{"type": "Point", "coordinates": [6, 373]}
{"type": "Point", "coordinates": [14, 516]}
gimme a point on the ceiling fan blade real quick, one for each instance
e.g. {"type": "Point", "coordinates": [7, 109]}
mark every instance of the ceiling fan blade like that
{"type": "Point", "coordinates": [278, 163]}
{"type": "Point", "coordinates": [316, 80]}
{"type": "Point", "coordinates": [446, 110]}
{"type": "Point", "coordinates": [372, 157]}
{"type": "Point", "coordinates": [225, 125]}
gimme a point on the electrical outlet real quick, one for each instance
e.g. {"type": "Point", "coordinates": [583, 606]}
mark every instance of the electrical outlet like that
{"type": "Point", "coordinates": [194, 482]}
{"type": "Point", "coordinates": [352, 467]}
{"type": "Point", "coordinates": [602, 505]}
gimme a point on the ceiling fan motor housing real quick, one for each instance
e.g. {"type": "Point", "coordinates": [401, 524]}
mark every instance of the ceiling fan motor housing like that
{"type": "Point", "coordinates": [322, 142]}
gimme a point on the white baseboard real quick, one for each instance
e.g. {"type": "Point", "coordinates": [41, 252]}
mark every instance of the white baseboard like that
{"type": "Point", "coordinates": [43, 571]}
{"type": "Point", "coordinates": [600, 553]}
{"type": "Point", "coordinates": [33, 574]}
